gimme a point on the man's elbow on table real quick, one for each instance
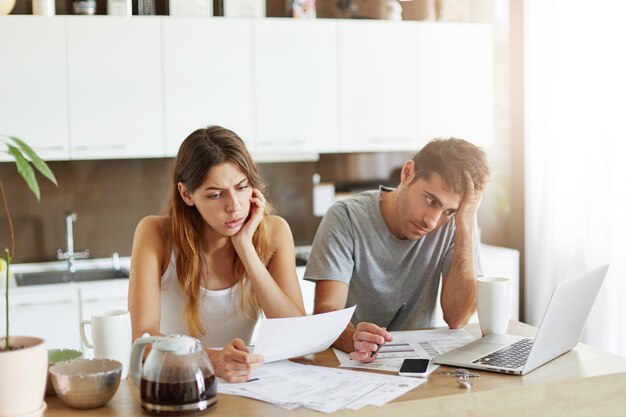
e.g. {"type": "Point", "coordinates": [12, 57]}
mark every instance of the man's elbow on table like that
{"type": "Point", "coordinates": [456, 321]}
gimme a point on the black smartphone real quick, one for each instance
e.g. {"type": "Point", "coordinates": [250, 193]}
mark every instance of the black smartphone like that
{"type": "Point", "coordinates": [414, 367]}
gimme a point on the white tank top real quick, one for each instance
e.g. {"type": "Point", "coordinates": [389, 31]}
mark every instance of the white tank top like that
{"type": "Point", "coordinates": [220, 311]}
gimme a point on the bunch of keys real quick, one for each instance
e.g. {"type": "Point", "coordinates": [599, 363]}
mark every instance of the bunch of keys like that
{"type": "Point", "coordinates": [463, 377]}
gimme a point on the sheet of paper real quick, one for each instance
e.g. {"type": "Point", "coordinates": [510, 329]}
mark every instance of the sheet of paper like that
{"type": "Point", "coordinates": [291, 385]}
{"type": "Point", "coordinates": [279, 339]}
{"type": "Point", "coordinates": [410, 344]}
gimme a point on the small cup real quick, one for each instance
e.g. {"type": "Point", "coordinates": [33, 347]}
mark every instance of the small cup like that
{"type": "Point", "coordinates": [493, 299]}
{"type": "Point", "coordinates": [111, 335]}
{"type": "Point", "coordinates": [59, 355]}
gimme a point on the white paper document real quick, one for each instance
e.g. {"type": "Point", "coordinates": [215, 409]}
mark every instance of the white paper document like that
{"type": "Point", "coordinates": [410, 344]}
{"type": "Point", "coordinates": [291, 337]}
{"type": "Point", "coordinates": [291, 385]}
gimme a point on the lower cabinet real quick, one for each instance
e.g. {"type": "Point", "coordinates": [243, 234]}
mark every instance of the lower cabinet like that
{"type": "Point", "coordinates": [54, 312]}
{"type": "Point", "coordinates": [51, 315]}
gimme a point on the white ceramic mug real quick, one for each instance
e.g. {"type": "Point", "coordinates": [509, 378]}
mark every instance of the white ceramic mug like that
{"type": "Point", "coordinates": [112, 336]}
{"type": "Point", "coordinates": [493, 299]}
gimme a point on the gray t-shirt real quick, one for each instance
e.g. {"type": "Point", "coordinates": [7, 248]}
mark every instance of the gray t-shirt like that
{"type": "Point", "coordinates": [354, 245]}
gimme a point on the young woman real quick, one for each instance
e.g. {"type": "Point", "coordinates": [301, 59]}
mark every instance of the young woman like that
{"type": "Point", "coordinates": [216, 258]}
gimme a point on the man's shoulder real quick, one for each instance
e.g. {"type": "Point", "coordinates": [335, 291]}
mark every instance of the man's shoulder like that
{"type": "Point", "coordinates": [363, 200]}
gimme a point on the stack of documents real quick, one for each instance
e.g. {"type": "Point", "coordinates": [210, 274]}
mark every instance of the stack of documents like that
{"type": "Point", "coordinates": [423, 344]}
{"type": "Point", "coordinates": [291, 385]}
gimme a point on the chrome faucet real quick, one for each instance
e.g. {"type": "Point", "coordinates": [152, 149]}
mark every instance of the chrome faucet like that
{"type": "Point", "coordinates": [69, 254]}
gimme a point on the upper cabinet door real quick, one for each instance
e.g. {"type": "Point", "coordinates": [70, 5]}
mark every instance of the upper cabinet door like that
{"type": "Point", "coordinates": [377, 86]}
{"type": "Point", "coordinates": [208, 77]}
{"type": "Point", "coordinates": [33, 88]}
{"type": "Point", "coordinates": [456, 82]}
{"type": "Point", "coordinates": [114, 66]}
{"type": "Point", "coordinates": [295, 79]}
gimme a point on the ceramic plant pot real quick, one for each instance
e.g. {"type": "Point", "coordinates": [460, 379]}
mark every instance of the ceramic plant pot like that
{"type": "Point", "coordinates": [23, 376]}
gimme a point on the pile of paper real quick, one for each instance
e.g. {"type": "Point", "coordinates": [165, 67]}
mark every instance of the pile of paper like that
{"type": "Point", "coordinates": [291, 385]}
{"type": "Point", "coordinates": [422, 344]}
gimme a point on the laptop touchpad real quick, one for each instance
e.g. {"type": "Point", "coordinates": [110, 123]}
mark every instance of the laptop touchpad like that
{"type": "Point", "coordinates": [481, 347]}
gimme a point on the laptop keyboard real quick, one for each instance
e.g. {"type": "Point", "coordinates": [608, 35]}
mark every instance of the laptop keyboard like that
{"type": "Point", "coordinates": [512, 356]}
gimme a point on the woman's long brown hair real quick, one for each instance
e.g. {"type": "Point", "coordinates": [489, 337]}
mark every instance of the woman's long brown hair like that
{"type": "Point", "coordinates": [199, 152]}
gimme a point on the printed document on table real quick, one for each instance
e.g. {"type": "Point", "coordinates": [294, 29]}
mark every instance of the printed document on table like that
{"type": "Point", "coordinates": [291, 337]}
{"type": "Point", "coordinates": [410, 344]}
{"type": "Point", "coordinates": [292, 385]}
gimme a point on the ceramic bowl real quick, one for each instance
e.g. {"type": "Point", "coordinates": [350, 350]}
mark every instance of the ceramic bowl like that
{"type": "Point", "coordinates": [86, 383]}
{"type": "Point", "coordinates": [59, 355]}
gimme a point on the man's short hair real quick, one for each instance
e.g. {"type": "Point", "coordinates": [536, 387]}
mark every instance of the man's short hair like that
{"type": "Point", "coordinates": [450, 158]}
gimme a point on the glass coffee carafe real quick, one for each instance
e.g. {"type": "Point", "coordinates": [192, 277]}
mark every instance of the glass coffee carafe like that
{"type": "Point", "coordinates": [176, 377]}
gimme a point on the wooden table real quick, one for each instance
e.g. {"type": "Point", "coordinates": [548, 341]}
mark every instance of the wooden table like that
{"type": "Point", "coordinates": [584, 382]}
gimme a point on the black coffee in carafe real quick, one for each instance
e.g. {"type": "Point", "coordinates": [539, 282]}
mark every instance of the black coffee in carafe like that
{"type": "Point", "coordinates": [176, 377]}
{"type": "Point", "coordinates": [175, 398]}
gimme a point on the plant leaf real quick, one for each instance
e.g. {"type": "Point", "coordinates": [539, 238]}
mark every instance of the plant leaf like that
{"type": "Point", "coordinates": [25, 170]}
{"type": "Point", "coordinates": [39, 163]}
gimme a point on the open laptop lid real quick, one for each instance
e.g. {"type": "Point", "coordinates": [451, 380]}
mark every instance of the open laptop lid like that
{"type": "Point", "coordinates": [565, 317]}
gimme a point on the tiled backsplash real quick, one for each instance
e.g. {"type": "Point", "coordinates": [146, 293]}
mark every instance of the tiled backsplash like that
{"type": "Point", "coordinates": [111, 196]}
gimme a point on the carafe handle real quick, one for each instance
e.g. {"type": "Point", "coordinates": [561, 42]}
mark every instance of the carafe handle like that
{"type": "Point", "coordinates": [136, 355]}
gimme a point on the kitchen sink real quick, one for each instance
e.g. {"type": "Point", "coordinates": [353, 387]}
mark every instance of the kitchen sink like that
{"type": "Point", "coordinates": [58, 277]}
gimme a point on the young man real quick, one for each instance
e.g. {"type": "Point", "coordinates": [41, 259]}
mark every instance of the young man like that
{"type": "Point", "coordinates": [385, 247]}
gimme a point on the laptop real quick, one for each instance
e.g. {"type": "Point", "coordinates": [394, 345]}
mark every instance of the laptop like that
{"type": "Point", "coordinates": [559, 332]}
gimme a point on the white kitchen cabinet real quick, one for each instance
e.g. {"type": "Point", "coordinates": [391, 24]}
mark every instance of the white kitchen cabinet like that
{"type": "Point", "coordinates": [33, 88]}
{"type": "Point", "coordinates": [98, 297]}
{"type": "Point", "coordinates": [295, 81]}
{"type": "Point", "coordinates": [207, 74]}
{"type": "Point", "coordinates": [114, 76]}
{"type": "Point", "coordinates": [51, 315]}
{"type": "Point", "coordinates": [377, 86]}
{"type": "Point", "coordinates": [107, 87]}
{"type": "Point", "coordinates": [455, 83]}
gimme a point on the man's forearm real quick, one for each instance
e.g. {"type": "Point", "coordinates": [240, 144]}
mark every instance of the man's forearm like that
{"type": "Point", "coordinates": [458, 299]}
{"type": "Point", "coordinates": [345, 341]}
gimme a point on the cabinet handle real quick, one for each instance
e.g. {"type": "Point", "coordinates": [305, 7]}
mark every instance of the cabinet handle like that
{"type": "Point", "coordinates": [98, 300]}
{"type": "Point", "coordinates": [44, 303]}
{"type": "Point", "coordinates": [285, 143]}
{"type": "Point", "coordinates": [393, 140]}
{"type": "Point", "coordinates": [98, 147]}
{"type": "Point", "coordinates": [48, 148]}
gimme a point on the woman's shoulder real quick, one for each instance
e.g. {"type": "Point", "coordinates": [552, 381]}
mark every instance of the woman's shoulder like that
{"type": "Point", "coordinates": [153, 227]}
{"type": "Point", "coordinates": [153, 222]}
{"type": "Point", "coordinates": [277, 224]}
{"type": "Point", "coordinates": [279, 231]}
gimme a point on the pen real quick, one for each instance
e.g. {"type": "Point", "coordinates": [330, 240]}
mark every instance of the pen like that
{"type": "Point", "coordinates": [390, 325]}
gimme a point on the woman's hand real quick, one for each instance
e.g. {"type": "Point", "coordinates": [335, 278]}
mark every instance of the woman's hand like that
{"type": "Point", "coordinates": [235, 363]}
{"type": "Point", "coordinates": [257, 210]}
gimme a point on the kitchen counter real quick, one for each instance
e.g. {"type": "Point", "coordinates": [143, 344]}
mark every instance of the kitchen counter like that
{"type": "Point", "coordinates": [585, 381]}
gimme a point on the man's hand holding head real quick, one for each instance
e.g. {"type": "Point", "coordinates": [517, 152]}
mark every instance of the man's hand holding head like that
{"type": "Point", "coordinates": [466, 214]}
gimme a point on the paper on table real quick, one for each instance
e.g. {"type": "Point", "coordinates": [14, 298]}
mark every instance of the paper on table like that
{"type": "Point", "coordinates": [291, 385]}
{"type": "Point", "coordinates": [291, 337]}
{"type": "Point", "coordinates": [410, 344]}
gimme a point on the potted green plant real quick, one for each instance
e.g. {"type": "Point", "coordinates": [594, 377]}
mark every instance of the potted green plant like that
{"type": "Point", "coordinates": [23, 359]}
